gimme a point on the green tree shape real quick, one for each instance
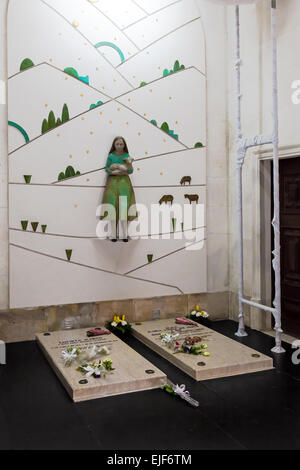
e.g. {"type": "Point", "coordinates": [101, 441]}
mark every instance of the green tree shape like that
{"type": "Point", "coordinates": [26, 64]}
{"type": "Point", "coordinates": [68, 173]}
{"type": "Point", "coordinates": [65, 113]}
{"type": "Point", "coordinates": [44, 126]}
{"type": "Point", "coordinates": [165, 127]}
{"type": "Point", "coordinates": [176, 68]}
{"type": "Point", "coordinates": [71, 71]}
{"type": "Point", "coordinates": [51, 120]}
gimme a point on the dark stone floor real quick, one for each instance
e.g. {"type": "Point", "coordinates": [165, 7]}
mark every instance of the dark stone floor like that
{"type": "Point", "coordinates": [251, 411]}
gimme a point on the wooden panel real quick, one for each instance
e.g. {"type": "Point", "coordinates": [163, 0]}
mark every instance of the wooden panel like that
{"type": "Point", "coordinates": [290, 244]}
{"type": "Point", "coordinates": [130, 368]}
{"type": "Point", "coordinates": [228, 357]}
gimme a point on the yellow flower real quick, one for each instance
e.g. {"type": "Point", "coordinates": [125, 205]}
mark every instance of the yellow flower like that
{"type": "Point", "coordinates": [197, 308]}
{"type": "Point", "coordinates": [123, 317]}
{"type": "Point", "coordinates": [206, 353]}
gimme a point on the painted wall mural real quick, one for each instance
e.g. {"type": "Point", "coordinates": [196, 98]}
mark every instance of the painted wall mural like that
{"type": "Point", "coordinates": [79, 74]}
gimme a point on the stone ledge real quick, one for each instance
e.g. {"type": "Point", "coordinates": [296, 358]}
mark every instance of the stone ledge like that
{"type": "Point", "coordinates": [23, 324]}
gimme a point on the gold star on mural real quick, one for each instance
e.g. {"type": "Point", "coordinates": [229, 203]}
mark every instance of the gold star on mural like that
{"type": "Point", "coordinates": [75, 24]}
{"type": "Point", "coordinates": [139, 133]}
{"type": "Point", "coordinates": [110, 122]}
{"type": "Point", "coordinates": [170, 97]}
{"type": "Point", "coordinates": [70, 156]}
{"type": "Point", "coordinates": [91, 132]}
{"type": "Point", "coordinates": [87, 151]}
{"type": "Point", "coordinates": [75, 205]}
{"type": "Point", "coordinates": [81, 94]}
{"type": "Point", "coordinates": [58, 135]}
{"type": "Point", "coordinates": [46, 105]}
{"type": "Point", "coordinates": [82, 118]}
{"type": "Point", "coordinates": [161, 173]}
{"type": "Point", "coordinates": [118, 109]}
{"type": "Point", "coordinates": [88, 179]}
{"type": "Point", "coordinates": [146, 153]}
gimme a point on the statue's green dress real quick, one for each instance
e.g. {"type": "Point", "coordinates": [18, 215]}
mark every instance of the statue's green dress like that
{"type": "Point", "coordinates": [118, 185]}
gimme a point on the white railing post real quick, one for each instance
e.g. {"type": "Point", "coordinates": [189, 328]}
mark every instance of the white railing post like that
{"type": "Point", "coordinates": [275, 222]}
{"type": "Point", "coordinates": [240, 155]}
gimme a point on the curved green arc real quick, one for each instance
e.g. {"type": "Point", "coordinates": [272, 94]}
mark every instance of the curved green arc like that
{"type": "Point", "coordinates": [17, 126]}
{"type": "Point", "coordinates": [111, 44]}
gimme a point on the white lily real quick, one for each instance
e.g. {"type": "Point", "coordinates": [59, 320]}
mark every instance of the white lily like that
{"type": "Point", "coordinates": [124, 322]}
{"type": "Point", "coordinates": [69, 357]}
{"type": "Point", "coordinates": [169, 337]}
{"type": "Point", "coordinates": [113, 323]}
{"type": "Point", "coordinates": [91, 370]}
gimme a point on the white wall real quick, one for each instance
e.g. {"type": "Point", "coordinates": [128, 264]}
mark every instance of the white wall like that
{"type": "Point", "coordinates": [174, 32]}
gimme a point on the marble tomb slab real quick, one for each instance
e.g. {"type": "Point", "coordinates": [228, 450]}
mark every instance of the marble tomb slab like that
{"type": "Point", "coordinates": [227, 357]}
{"type": "Point", "coordinates": [132, 371]}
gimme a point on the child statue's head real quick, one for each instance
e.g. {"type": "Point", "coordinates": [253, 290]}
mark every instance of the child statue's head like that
{"type": "Point", "coordinates": [119, 145]}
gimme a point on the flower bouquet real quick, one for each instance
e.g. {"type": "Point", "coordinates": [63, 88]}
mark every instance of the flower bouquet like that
{"type": "Point", "coordinates": [180, 391]}
{"type": "Point", "coordinates": [188, 346]}
{"type": "Point", "coordinates": [169, 339]}
{"type": "Point", "coordinates": [200, 316]}
{"type": "Point", "coordinates": [119, 326]}
{"type": "Point", "coordinates": [69, 355]}
{"type": "Point", "coordinates": [94, 351]}
{"type": "Point", "coordinates": [96, 369]}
